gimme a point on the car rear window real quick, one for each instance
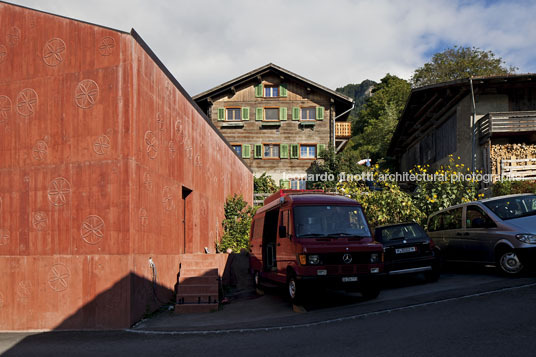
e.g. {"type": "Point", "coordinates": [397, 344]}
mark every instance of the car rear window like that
{"type": "Point", "coordinates": [406, 231]}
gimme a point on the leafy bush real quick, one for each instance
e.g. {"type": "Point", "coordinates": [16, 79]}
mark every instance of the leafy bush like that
{"type": "Point", "coordinates": [507, 187]}
{"type": "Point", "coordinates": [236, 225]}
{"type": "Point", "coordinates": [387, 205]}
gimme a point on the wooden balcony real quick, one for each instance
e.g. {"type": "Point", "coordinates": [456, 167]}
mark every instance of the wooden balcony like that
{"type": "Point", "coordinates": [343, 130]}
{"type": "Point", "coordinates": [494, 124]}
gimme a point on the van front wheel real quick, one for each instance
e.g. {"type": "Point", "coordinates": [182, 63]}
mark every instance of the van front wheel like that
{"type": "Point", "coordinates": [509, 263]}
{"type": "Point", "coordinates": [294, 290]}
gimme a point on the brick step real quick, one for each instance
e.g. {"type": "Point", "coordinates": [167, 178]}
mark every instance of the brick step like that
{"type": "Point", "coordinates": [208, 289]}
{"type": "Point", "coordinates": [197, 298]}
{"type": "Point", "coordinates": [199, 272]}
{"type": "Point", "coordinates": [195, 308]}
{"type": "Point", "coordinates": [198, 280]}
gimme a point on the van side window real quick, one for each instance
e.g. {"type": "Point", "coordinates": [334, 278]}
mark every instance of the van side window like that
{"type": "Point", "coordinates": [475, 217]}
{"type": "Point", "coordinates": [453, 219]}
{"type": "Point", "coordinates": [284, 220]}
{"type": "Point", "coordinates": [258, 226]}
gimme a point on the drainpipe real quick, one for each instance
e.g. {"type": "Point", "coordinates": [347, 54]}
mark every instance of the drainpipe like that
{"type": "Point", "coordinates": [338, 116]}
{"type": "Point", "coordinates": [473, 161]}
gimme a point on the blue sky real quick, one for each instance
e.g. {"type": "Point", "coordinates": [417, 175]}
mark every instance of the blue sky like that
{"type": "Point", "coordinates": [205, 43]}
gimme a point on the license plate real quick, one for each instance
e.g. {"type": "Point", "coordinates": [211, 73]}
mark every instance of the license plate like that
{"type": "Point", "coordinates": [405, 250]}
{"type": "Point", "coordinates": [349, 279]}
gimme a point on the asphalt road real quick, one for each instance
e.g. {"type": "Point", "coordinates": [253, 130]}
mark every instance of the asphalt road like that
{"type": "Point", "coordinates": [477, 314]}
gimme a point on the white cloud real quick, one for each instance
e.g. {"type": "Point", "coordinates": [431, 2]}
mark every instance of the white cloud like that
{"type": "Point", "coordinates": [205, 43]}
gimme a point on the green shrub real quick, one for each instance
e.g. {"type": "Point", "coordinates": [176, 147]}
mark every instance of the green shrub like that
{"type": "Point", "coordinates": [507, 187]}
{"type": "Point", "coordinates": [236, 225]}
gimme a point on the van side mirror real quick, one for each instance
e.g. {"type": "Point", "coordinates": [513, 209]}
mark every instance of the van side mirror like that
{"type": "Point", "coordinates": [282, 232]}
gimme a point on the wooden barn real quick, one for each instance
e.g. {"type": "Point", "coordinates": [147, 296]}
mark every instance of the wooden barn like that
{"type": "Point", "coordinates": [110, 175]}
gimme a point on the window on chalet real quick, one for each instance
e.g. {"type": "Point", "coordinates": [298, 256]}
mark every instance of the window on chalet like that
{"type": "Point", "coordinates": [271, 113]}
{"type": "Point", "coordinates": [234, 114]}
{"type": "Point", "coordinates": [271, 151]}
{"type": "Point", "coordinates": [307, 151]}
{"type": "Point", "coordinates": [271, 91]}
{"type": "Point", "coordinates": [308, 113]}
{"type": "Point", "coordinates": [297, 184]}
{"type": "Point", "coordinates": [238, 149]}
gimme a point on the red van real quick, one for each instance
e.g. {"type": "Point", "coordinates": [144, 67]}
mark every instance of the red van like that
{"type": "Point", "coordinates": [312, 239]}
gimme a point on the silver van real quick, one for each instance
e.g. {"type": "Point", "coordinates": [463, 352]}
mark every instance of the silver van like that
{"type": "Point", "coordinates": [499, 230]}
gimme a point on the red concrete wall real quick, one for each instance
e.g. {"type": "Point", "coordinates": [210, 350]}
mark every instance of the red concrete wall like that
{"type": "Point", "coordinates": [96, 145]}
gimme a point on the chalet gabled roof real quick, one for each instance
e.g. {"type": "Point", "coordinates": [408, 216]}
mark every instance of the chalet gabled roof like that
{"type": "Point", "coordinates": [270, 67]}
{"type": "Point", "coordinates": [430, 102]}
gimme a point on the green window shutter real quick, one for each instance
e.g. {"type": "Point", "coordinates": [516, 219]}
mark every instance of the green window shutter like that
{"type": "Point", "coordinates": [258, 90]}
{"type": "Point", "coordinates": [246, 151]}
{"type": "Point", "coordinates": [258, 114]}
{"type": "Point", "coordinates": [258, 151]}
{"type": "Point", "coordinates": [245, 113]}
{"type": "Point", "coordinates": [294, 151]}
{"type": "Point", "coordinates": [221, 114]}
{"type": "Point", "coordinates": [283, 90]}
{"type": "Point", "coordinates": [320, 148]}
{"type": "Point", "coordinates": [283, 113]}
{"type": "Point", "coordinates": [319, 113]}
{"type": "Point", "coordinates": [283, 153]}
{"type": "Point", "coordinates": [295, 113]}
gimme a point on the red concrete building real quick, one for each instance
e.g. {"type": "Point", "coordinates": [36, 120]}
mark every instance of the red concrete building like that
{"type": "Point", "coordinates": [105, 162]}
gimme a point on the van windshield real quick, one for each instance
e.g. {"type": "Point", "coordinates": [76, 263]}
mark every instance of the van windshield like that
{"type": "Point", "coordinates": [513, 207]}
{"type": "Point", "coordinates": [330, 221]}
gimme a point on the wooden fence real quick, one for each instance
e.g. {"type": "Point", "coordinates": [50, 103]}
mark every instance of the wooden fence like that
{"type": "Point", "coordinates": [518, 169]}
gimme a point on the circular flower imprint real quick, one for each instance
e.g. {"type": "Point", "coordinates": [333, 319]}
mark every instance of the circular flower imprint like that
{"type": "Point", "coordinates": [86, 94]}
{"type": "Point", "coordinates": [92, 230]}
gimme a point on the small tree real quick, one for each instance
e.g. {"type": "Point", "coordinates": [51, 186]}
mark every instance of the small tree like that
{"type": "Point", "coordinates": [458, 63]}
{"type": "Point", "coordinates": [264, 184]}
{"type": "Point", "coordinates": [332, 165]}
{"type": "Point", "coordinates": [236, 225]}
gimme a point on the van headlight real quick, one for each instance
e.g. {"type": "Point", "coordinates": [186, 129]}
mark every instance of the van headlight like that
{"type": "Point", "coordinates": [374, 258]}
{"type": "Point", "coordinates": [313, 259]}
{"type": "Point", "coordinates": [526, 238]}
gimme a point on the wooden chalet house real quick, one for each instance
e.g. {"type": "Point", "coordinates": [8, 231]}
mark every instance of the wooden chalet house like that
{"type": "Point", "coordinates": [278, 121]}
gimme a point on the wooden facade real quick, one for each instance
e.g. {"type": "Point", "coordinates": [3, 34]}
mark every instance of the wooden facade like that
{"type": "Point", "coordinates": [108, 171]}
{"type": "Point", "coordinates": [278, 122]}
{"type": "Point", "coordinates": [437, 122]}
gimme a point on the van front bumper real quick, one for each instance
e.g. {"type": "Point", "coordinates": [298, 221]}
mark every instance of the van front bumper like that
{"type": "Point", "coordinates": [527, 256]}
{"type": "Point", "coordinates": [340, 276]}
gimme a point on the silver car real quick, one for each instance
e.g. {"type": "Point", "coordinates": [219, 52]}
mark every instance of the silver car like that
{"type": "Point", "coordinates": [499, 230]}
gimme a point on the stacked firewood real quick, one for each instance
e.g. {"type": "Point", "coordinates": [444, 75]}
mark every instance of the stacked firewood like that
{"type": "Point", "coordinates": [510, 152]}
